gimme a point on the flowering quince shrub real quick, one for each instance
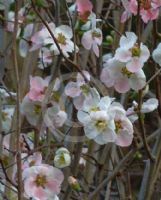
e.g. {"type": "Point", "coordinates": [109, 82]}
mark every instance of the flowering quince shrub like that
{"type": "Point", "coordinates": [80, 99]}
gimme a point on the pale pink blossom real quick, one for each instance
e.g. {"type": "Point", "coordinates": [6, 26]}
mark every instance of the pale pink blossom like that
{"type": "Point", "coordinates": [79, 89]}
{"type": "Point", "coordinates": [131, 53]}
{"type": "Point", "coordinates": [115, 74]}
{"type": "Point", "coordinates": [123, 126]}
{"type": "Point", "coordinates": [92, 39]}
{"type": "Point", "coordinates": [42, 182]}
{"type": "Point", "coordinates": [63, 34]}
{"type": "Point", "coordinates": [38, 38]}
{"type": "Point", "coordinates": [37, 88]}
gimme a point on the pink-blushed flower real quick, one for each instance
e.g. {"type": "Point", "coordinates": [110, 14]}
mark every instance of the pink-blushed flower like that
{"type": "Point", "coordinates": [33, 160]}
{"type": "Point", "coordinates": [37, 88]}
{"type": "Point", "coordinates": [130, 8]}
{"type": "Point", "coordinates": [115, 74]}
{"type": "Point", "coordinates": [123, 126]}
{"type": "Point", "coordinates": [42, 182]}
{"type": "Point", "coordinates": [63, 35]}
{"type": "Point", "coordinates": [131, 53]}
{"type": "Point", "coordinates": [38, 38]}
{"type": "Point", "coordinates": [157, 54]}
{"type": "Point", "coordinates": [84, 8]}
{"type": "Point", "coordinates": [147, 106]}
{"type": "Point", "coordinates": [92, 39]}
{"type": "Point", "coordinates": [79, 89]}
{"type": "Point", "coordinates": [74, 89]}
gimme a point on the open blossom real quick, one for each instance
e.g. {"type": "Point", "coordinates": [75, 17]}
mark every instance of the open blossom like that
{"type": "Point", "coordinates": [92, 39]}
{"type": "Point", "coordinates": [63, 34]}
{"type": "Point", "coordinates": [42, 182]}
{"type": "Point", "coordinates": [147, 106]}
{"type": "Point", "coordinates": [157, 54]}
{"type": "Point", "coordinates": [131, 53]}
{"type": "Point", "coordinates": [123, 126]}
{"type": "Point", "coordinates": [97, 121]}
{"type": "Point", "coordinates": [116, 74]}
{"type": "Point", "coordinates": [79, 89]}
{"type": "Point", "coordinates": [62, 158]}
{"type": "Point", "coordinates": [37, 88]}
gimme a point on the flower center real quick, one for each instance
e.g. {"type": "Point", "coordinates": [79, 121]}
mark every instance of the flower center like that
{"type": "Point", "coordinates": [61, 39]}
{"type": "Point", "coordinates": [41, 181]}
{"type": "Point", "coordinates": [101, 124]}
{"type": "Point", "coordinates": [126, 72]}
{"type": "Point", "coordinates": [4, 116]}
{"type": "Point", "coordinates": [135, 51]}
{"type": "Point", "coordinates": [37, 109]}
{"type": "Point", "coordinates": [146, 4]}
{"type": "Point", "coordinates": [32, 163]}
{"type": "Point", "coordinates": [94, 109]}
{"type": "Point", "coordinates": [85, 89]}
{"type": "Point", "coordinates": [118, 125]}
{"type": "Point", "coordinates": [96, 34]}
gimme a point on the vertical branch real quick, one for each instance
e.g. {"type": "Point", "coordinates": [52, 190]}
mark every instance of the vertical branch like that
{"type": "Point", "coordinates": [18, 126]}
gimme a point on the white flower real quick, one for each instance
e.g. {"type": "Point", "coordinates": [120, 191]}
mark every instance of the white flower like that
{"type": "Point", "coordinates": [97, 121]}
{"type": "Point", "coordinates": [63, 35]}
{"type": "Point", "coordinates": [131, 53]}
{"type": "Point", "coordinates": [62, 158]}
{"type": "Point", "coordinates": [157, 54]}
